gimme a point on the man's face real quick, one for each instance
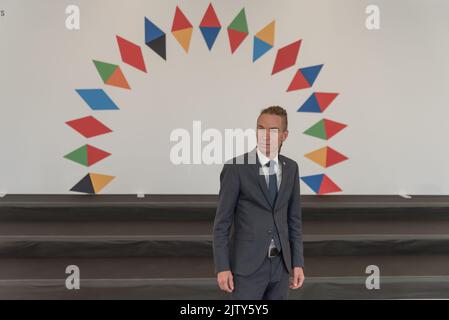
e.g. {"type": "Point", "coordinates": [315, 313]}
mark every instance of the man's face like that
{"type": "Point", "coordinates": [270, 134]}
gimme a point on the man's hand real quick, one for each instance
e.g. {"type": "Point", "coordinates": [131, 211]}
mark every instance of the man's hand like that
{"type": "Point", "coordinates": [225, 281]}
{"type": "Point", "coordinates": [298, 278]}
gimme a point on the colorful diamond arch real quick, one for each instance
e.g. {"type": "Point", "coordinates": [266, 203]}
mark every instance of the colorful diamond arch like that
{"type": "Point", "coordinates": [210, 27]}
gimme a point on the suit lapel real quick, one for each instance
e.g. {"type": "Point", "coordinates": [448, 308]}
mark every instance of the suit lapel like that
{"type": "Point", "coordinates": [282, 191]}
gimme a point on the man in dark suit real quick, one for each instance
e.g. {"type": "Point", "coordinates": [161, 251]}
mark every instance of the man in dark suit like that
{"type": "Point", "coordinates": [258, 229]}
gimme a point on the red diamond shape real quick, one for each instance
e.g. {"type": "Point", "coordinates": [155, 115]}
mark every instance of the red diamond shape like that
{"type": "Point", "coordinates": [286, 57]}
{"type": "Point", "coordinates": [131, 54]}
{"type": "Point", "coordinates": [88, 126]}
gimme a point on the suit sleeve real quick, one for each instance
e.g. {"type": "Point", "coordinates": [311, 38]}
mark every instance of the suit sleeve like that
{"type": "Point", "coordinates": [295, 224]}
{"type": "Point", "coordinates": [224, 217]}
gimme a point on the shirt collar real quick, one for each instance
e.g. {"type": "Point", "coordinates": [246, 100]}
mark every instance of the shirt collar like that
{"type": "Point", "coordinates": [263, 159]}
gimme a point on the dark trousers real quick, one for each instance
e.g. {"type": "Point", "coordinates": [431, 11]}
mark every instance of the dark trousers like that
{"type": "Point", "coordinates": [269, 282]}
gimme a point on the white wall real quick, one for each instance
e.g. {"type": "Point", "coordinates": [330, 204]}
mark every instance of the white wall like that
{"type": "Point", "coordinates": [392, 82]}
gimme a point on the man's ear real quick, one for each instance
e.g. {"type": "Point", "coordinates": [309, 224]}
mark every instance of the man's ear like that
{"type": "Point", "coordinates": [285, 133]}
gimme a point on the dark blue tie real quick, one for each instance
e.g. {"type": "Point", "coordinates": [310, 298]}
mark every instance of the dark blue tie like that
{"type": "Point", "coordinates": [272, 182]}
{"type": "Point", "coordinates": [273, 192]}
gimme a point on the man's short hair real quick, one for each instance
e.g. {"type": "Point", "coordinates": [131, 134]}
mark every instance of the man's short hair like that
{"type": "Point", "coordinates": [277, 110]}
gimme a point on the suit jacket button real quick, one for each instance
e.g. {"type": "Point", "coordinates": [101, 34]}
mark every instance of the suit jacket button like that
{"type": "Point", "coordinates": [269, 231]}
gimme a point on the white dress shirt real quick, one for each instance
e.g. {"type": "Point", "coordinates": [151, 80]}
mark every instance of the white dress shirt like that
{"type": "Point", "coordinates": [263, 159]}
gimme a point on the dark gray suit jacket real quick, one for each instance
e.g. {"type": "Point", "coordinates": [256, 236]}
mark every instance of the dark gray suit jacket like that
{"type": "Point", "coordinates": [244, 218]}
